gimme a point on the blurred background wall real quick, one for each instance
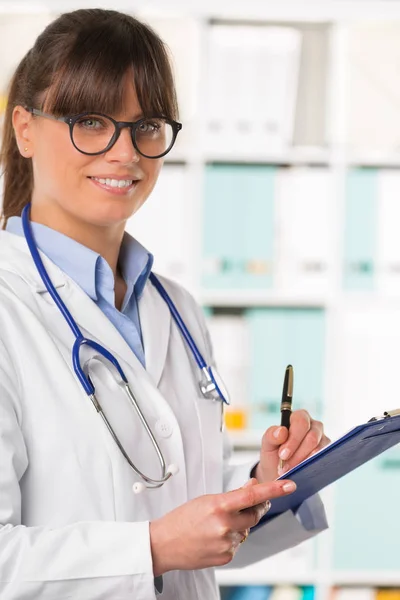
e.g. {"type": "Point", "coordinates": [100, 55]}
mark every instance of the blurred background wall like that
{"type": "Point", "coordinates": [279, 209]}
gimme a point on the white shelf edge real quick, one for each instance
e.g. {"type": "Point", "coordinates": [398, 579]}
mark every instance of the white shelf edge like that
{"type": "Point", "coordinates": [369, 578]}
{"type": "Point", "coordinates": [240, 577]}
{"type": "Point", "coordinates": [238, 298]}
{"type": "Point", "coordinates": [292, 156]}
{"type": "Point", "coordinates": [313, 11]}
{"type": "Point", "coordinates": [373, 159]}
{"type": "Point", "coordinates": [376, 579]}
{"type": "Point", "coordinates": [307, 156]}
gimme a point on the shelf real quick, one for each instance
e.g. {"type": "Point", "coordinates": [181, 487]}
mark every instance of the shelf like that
{"type": "Point", "coordinates": [313, 11]}
{"type": "Point", "coordinates": [374, 159]}
{"type": "Point", "coordinates": [290, 156]}
{"type": "Point", "coordinates": [368, 578]}
{"type": "Point", "coordinates": [331, 579]}
{"type": "Point", "coordinates": [241, 577]}
{"type": "Point", "coordinates": [246, 298]}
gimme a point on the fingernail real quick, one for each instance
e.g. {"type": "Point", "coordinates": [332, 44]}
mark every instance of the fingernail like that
{"type": "Point", "coordinates": [277, 432]}
{"type": "Point", "coordinates": [290, 486]}
{"type": "Point", "coordinates": [284, 454]}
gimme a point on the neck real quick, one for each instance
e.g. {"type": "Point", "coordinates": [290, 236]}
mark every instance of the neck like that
{"type": "Point", "coordinates": [104, 240]}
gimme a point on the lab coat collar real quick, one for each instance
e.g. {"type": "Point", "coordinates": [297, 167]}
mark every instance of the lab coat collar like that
{"type": "Point", "coordinates": [154, 314]}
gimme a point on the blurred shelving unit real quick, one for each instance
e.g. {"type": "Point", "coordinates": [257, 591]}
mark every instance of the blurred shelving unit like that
{"type": "Point", "coordinates": [341, 91]}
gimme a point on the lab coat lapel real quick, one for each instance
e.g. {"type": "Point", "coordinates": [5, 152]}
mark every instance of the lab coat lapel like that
{"type": "Point", "coordinates": [97, 326]}
{"type": "Point", "coordinates": [155, 318]}
{"type": "Point", "coordinates": [155, 321]}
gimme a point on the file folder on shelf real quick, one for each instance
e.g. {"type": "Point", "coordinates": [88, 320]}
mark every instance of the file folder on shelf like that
{"type": "Point", "coordinates": [305, 231]}
{"type": "Point", "coordinates": [278, 337]}
{"type": "Point", "coordinates": [365, 505]}
{"type": "Point", "coordinates": [238, 227]}
{"type": "Point", "coordinates": [246, 62]}
{"type": "Point", "coordinates": [361, 444]}
{"type": "Point", "coordinates": [388, 247]}
{"type": "Point", "coordinates": [360, 229]}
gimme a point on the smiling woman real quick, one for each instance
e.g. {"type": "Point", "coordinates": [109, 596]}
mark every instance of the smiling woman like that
{"type": "Point", "coordinates": [107, 381]}
{"type": "Point", "coordinates": [134, 80]}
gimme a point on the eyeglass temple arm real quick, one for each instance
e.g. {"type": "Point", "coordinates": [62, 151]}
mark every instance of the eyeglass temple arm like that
{"type": "Point", "coordinates": [39, 113]}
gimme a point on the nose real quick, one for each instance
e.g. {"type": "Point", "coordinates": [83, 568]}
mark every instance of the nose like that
{"type": "Point", "coordinates": [123, 150]}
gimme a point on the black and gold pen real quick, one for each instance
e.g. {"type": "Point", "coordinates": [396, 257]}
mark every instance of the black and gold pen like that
{"type": "Point", "coordinates": [286, 403]}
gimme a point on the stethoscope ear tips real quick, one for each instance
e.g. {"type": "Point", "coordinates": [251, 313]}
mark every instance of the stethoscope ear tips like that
{"type": "Point", "coordinates": [173, 469]}
{"type": "Point", "coordinates": [138, 487]}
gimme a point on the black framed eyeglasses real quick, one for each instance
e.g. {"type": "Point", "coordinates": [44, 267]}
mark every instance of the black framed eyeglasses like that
{"type": "Point", "coordinates": [95, 133]}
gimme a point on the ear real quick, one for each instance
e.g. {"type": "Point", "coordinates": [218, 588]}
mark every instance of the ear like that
{"type": "Point", "coordinates": [22, 121]}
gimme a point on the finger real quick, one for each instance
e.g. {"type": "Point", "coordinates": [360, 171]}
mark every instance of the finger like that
{"type": "Point", "coordinates": [300, 425]}
{"type": "Point", "coordinates": [324, 442]}
{"type": "Point", "coordinates": [249, 517]}
{"type": "Point", "coordinates": [309, 443]}
{"type": "Point", "coordinates": [273, 438]}
{"type": "Point", "coordinates": [255, 494]}
{"type": "Point", "coordinates": [303, 453]}
{"type": "Point", "coordinates": [237, 538]}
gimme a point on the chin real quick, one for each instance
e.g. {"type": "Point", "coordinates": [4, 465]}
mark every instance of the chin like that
{"type": "Point", "coordinates": [111, 214]}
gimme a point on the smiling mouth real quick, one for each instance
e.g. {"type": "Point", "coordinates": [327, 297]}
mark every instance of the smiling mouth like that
{"type": "Point", "coordinates": [115, 183]}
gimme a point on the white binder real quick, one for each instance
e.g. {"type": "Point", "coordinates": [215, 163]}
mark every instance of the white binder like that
{"type": "Point", "coordinates": [252, 88]}
{"type": "Point", "coordinates": [305, 231]}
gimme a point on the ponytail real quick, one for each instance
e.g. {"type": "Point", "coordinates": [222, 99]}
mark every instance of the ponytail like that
{"type": "Point", "coordinates": [16, 170]}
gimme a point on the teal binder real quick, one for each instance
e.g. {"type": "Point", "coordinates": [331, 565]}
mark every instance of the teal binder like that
{"type": "Point", "coordinates": [238, 226]}
{"type": "Point", "coordinates": [251, 592]}
{"type": "Point", "coordinates": [268, 358]}
{"type": "Point", "coordinates": [257, 219]}
{"type": "Point", "coordinates": [360, 229]}
{"type": "Point", "coordinates": [308, 592]}
{"type": "Point", "coordinates": [278, 337]}
{"type": "Point", "coordinates": [221, 228]}
{"type": "Point", "coordinates": [366, 509]}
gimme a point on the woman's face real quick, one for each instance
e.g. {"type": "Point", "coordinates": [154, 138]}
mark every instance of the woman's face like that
{"type": "Point", "coordinates": [63, 176]}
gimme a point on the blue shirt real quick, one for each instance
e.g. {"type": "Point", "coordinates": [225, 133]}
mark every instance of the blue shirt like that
{"type": "Point", "coordinates": [94, 275]}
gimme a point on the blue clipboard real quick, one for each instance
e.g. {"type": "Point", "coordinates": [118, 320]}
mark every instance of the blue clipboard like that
{"type": "Point", "coordinates": [342, 456]}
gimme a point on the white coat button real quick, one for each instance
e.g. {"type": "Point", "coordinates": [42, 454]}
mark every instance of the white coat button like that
{"type": "Point", "coordinates": [163, 428]}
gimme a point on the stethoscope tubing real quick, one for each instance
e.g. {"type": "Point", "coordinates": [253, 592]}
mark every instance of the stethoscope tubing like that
{"type": "Point", "coordinates": [81, 341]}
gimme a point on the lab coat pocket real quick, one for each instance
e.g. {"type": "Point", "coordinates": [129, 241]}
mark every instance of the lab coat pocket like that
{"type": "Point", "coordinates": [211, 416]}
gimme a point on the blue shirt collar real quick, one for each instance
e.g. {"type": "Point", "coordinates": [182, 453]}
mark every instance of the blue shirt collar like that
{"type": "Point", "coordinates": [86, 267]}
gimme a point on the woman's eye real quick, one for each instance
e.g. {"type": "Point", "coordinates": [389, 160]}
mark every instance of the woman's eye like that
{"type": "Point", "coordinates": [91, 123]}
{"type": "Point", "coordinates": [150, 127]}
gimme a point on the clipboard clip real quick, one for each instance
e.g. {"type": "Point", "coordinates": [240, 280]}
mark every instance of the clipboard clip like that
{"type": "Point", "coordinates": [386, 415]}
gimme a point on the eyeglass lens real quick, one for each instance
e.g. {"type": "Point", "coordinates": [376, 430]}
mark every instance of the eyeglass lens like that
{"type": "Point", "coordinates": [93, 133]}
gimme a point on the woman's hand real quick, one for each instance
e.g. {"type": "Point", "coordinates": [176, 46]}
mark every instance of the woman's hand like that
{"type": "Point", "coordinates": [304, 438]}
{"type": "Point", "coordinates": [206, 531]}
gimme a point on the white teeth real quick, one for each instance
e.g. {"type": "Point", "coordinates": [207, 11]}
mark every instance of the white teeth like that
{"type": "Point", "coordinates": [117, 183]}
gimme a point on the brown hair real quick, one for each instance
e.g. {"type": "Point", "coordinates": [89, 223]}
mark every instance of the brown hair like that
{"type": "Point", "coordinates": [79, 63]}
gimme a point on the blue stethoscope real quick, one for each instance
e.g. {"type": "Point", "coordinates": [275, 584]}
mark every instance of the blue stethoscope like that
{"type": "Point", "coordinates": [211, 385]}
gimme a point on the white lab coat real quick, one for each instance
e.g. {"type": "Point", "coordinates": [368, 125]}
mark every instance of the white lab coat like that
{"type": "Point", "coordinates": [70, 526]}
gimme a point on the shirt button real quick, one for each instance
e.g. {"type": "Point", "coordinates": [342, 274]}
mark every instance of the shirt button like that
{"type": "Point", "coordinates": [163, 428]}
